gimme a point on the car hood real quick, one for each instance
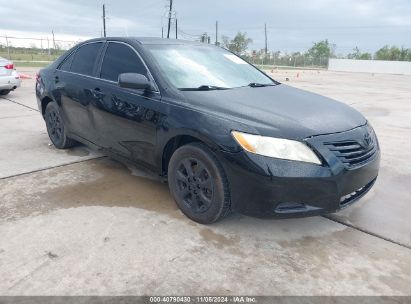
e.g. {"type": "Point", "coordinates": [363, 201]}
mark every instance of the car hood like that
{"type": "Point", "coordinates": [280, 111]}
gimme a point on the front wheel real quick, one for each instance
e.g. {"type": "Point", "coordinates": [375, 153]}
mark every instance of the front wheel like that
{"type": "Point", "coordinates": [55, 127]}
{"type": "Point", "coordinates": [4, 92]}
{"type": "Point", "coordinates": [198, 184]}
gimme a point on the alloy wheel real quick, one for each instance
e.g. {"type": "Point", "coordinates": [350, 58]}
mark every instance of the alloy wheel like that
{"type": "Point", "coordinates": [55, 126]}
{"type": "Point", "coordinates": [195, 185]}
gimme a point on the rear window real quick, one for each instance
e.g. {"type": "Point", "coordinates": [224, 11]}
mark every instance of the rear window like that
{"type": "Point", "coordinates": [121, 58]}
{"type": "Point", "coordinates": [85, 58]}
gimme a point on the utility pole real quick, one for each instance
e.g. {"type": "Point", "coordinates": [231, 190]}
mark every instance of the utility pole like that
{"type": "Point", "coordinates": [176, 29]}
{"type": "Point", "coordinates": [216, 33]}
{"type": "Point", "coordinates": [266, 46]}
{"type": "Point", "coordinates": [54, 41]}
{"type": "Point", "coordinates": [169, 18]}
{"type": "Point", "coordinates": [104, 20]}
{"type": "Point", "coordinates": [162, 32]}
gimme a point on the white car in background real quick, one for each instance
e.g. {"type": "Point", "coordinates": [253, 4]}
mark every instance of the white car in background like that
{"type": "Point", "coordinates": [9, 78]}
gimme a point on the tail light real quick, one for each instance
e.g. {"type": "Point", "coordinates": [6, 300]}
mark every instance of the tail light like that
{"type": "Point", "coordinates": [9, 66]}
{"type": "Point", "coordinates": [38, 77]}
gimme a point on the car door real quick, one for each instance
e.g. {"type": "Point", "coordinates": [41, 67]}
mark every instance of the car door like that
{"type": "Point", "coordinates": [125, 119]}
{"type": "Point", "coordinates": [74, 83]}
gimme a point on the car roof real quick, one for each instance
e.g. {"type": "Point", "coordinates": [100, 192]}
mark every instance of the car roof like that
{"type": "Point", "coordinates": [148, 40]}
{"type": "Point", "coordinates": [154, 40]}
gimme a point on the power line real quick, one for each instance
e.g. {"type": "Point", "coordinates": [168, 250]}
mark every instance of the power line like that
{"type": "Point", "coordinates": [189, 36]}
{"type": "Point", "coordinates": [38, 39]}
{"type": "Point", "coordinates": [150, 5]}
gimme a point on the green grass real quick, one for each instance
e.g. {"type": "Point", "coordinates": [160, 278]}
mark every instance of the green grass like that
{"type": "Point", "coordinates": [27, 57]}
{"type": "Point", "coordinates": [31, 64]}
{"type": "Point", "coordinates": [22, 58]}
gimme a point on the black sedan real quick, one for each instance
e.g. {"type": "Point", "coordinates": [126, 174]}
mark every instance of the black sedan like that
{"type": "Point", "coordinates": [225, 135]}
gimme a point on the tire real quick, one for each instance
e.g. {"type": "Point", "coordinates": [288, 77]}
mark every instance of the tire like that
{"type": "Point", "coordinates": [4, 92]}
{"type": "Point", "coordinates": [198, 184]}
{"type": "Point", "coordinates": [55, 127]}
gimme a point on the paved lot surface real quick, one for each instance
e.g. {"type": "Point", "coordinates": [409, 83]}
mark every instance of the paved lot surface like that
{"type": "Point", "coordinates": [74, 222]}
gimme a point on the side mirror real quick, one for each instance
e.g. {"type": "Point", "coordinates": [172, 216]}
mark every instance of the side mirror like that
{"type": "Point", "coordinates": [134, 81]}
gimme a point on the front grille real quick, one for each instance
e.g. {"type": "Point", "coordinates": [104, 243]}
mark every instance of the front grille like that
{"type": "Point", "coordinates": [354, 152]}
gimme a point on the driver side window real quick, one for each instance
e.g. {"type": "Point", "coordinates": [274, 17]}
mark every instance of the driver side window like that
{"type": "Point", "coordinates": [120, 58]}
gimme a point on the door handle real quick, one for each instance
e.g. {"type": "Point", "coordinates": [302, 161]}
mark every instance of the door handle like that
{"type": "Point", "coordinates": [97, 93]}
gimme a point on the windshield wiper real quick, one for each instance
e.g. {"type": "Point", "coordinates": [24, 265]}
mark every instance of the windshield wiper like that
{"type": "Point", "coordinates": [204, 88]}
{"type": "Point", "coordinates": [260, 85]}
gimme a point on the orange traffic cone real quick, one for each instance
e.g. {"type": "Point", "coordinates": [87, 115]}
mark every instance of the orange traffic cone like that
{"type": "Point", "coordinates": [25, 76]}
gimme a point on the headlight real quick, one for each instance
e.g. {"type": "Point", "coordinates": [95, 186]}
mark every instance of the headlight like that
{"type": "Point", "coordinates": [276, 147]}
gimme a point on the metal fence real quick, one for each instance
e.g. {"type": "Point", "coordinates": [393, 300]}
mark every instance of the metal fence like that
{"type": "Point", "coordinates": [33, 51]}
{"type": "Point", "coordinates": [29, 51]}
{"type": "Point", "coordinates": [290, 61]}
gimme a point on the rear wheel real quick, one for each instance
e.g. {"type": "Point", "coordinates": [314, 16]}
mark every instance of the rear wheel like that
{"type": "Point", "coordinates": [198, 184]}
{"type": "Point", "coordinates": [56, 128]}
{"type": "Point", "coordinates": [4, 92]}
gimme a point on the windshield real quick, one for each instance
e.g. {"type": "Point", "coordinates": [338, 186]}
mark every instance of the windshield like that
{"type": "Point", "coordinates": [196, 66]}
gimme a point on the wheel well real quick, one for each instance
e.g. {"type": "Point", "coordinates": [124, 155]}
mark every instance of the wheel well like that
{"type": "Point", "coordinates": [172, 145]}
{"type": "Point", "coordinates": [44, 102]}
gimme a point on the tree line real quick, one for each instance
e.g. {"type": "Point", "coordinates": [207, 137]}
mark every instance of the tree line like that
{"type": "Point", "coordinates": [319, 51]}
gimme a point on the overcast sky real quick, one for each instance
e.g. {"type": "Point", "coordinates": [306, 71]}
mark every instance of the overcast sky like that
{"type": "Point", "coordinates": [292, 24]}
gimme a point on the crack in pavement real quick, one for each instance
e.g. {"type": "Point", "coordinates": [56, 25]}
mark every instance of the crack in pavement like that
{"type": "Point", "coordinates": [29, 275]}
{"type": "Point", "coordinates": [19, 116]}
{"type": "Point", "coordinates": [18, 103]}
{"type": "Point", "coordinates": [52, 167]}
{"type": "Point", "coordinates": [329, 217]}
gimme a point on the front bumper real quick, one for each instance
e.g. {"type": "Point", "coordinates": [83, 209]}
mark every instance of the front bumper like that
{"type": "Point", "coordinates": [267, 187]}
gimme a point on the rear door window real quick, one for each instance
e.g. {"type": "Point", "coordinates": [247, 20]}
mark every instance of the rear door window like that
{"type": "Point", "coordinates": [67, 63]}
{"type": "Point", "coordinates": [85, 58]}
{"type": "Point", "coordinates": [120, 58]}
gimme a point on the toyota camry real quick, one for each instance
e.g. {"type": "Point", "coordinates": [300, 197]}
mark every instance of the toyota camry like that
{"type": "Point", "coordinates": [226, 136]}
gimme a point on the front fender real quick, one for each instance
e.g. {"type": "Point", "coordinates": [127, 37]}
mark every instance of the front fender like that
{"type": "Point", "coordinates": [214, 131]}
